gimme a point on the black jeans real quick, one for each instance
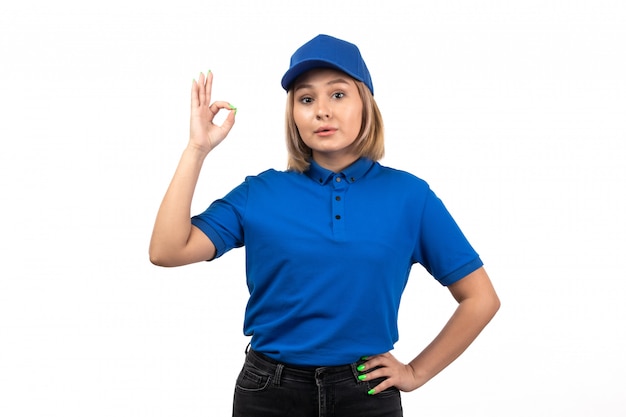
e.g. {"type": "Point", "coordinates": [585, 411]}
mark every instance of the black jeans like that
{"type": "Point", "coordinates": [266, 388]}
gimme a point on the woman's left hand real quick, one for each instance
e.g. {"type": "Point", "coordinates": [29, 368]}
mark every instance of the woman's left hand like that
{"type": "Point", "coordinates": [396, 373]}
{"type": "Point", "coordinates": [478, 302]}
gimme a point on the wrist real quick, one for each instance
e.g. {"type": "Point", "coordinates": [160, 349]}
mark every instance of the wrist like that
{"type": "Point", "coordinates": [196, 152]}
{"type": "Point", "coordinates": [420, 376]}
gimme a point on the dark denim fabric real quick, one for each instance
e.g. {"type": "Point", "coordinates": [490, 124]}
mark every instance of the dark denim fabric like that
{"type": "Point", "coordinates": [266, 388]}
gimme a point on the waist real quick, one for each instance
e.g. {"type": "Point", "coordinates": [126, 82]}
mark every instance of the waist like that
{"type": "Point", "coordinates": [305, 374]}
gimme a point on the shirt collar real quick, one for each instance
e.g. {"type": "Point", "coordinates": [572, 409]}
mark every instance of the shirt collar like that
{"type": "Point", "coordinates": [352, 173]}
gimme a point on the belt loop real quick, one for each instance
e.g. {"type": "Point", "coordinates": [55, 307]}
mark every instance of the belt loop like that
{"type": "Point", "coordinates": [248, 348]}
{"type": "Point", "coordinates": [278, 374]}
{"type": "Point", "coordinates": [355, 373]}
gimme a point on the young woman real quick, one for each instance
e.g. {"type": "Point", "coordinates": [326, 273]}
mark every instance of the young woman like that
{"type": "Point", "coordinates": [330, 243]}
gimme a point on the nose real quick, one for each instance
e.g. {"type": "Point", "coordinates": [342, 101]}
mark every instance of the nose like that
{"type": "Point", "coordinates": [323, 110]}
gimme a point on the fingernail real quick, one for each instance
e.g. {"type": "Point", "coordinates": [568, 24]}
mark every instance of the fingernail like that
{"type": "Point", "coordinates": [232, 108]}
{"type": "Point", "coordinates": [360, 368]}
{"type": "Point", "coordinates": [364, 358]}
{"type": "Point", "coordinates": [362, 377]}
{"type": "Point", "coordinates": [371, 392]}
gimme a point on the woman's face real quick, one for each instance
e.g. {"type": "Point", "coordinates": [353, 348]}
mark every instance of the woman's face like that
{"type": "Point", "coordinates": [328, 112]}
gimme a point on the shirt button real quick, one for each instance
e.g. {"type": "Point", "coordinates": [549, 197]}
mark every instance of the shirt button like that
{"type": "Point", "coordinates": [338, 217]}
{"type": "Point", "coordinates": [338, 198]}
{"type": "Point", "coordinates": [338, 179]}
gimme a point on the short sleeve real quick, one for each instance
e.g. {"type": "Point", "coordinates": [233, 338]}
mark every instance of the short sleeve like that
{"type": "Point", "coordinates": [443, 249]}
{"type": "Point", "coordinates": [222, 221]}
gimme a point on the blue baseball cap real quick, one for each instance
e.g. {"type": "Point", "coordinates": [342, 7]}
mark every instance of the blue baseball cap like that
{"type": "Point", "coordinates": [324, 51]}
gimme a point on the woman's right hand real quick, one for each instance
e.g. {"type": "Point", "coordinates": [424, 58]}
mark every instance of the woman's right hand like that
{"type": "Point", "coordinates": [204, 135]}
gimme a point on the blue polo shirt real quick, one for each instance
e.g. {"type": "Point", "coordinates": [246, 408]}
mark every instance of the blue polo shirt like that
{"type": "Point", "coordinates": [328, 256]}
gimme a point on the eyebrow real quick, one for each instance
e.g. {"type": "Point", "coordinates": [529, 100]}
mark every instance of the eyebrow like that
{"type": "Point", "coordinates": [331, 82]}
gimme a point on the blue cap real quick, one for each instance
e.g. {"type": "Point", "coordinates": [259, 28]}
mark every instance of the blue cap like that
{"type": "Point", "coordinates": [324, 51]}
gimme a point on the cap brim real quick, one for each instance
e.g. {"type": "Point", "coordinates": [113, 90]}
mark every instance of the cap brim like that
{"type": "Point", "coordinates": [300, 68]}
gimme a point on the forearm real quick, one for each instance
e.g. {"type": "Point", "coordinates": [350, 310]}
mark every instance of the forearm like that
{"type": "Point", "coordinates": [469, 319]}
{"type": "Point", "coordinates": [173, 225]}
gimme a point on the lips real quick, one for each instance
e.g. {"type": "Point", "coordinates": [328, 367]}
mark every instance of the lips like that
{"type": "Point", "coordinates": [325, 130]}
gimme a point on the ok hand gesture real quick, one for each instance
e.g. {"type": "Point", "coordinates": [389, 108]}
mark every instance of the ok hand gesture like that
{"type": "Point", "coordinates": [204, 135]}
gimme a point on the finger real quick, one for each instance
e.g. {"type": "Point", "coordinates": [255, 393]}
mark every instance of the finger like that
{"type": "Point", "coordinates": [220, 105]}
{"type": "Point", "coordinates": [373, 374]}
{"type": "Point", "coordinates": [380, 387]}
{"type": "Point", "coordinates": [375, 367]}
{"type": "Point", "coordinates": [230, 120]}
{"type": "Point", "coordinates": [208, 86]}
{"type": "Point", "coordinates": [228, 123]}
{"type": "Point", "coordinates": [374, 361]}
{"type": "Point", "coordinates": [202, 89]}
{"type": "Point", "coordinates": [195, 100]}
{"type": "Point", "coordinates": [206, 83]}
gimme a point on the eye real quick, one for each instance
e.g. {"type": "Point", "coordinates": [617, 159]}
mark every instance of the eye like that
{"type": "Point", "coordinates": [338, 94]}
{"type": "Point", "coordinates": [306, 100]}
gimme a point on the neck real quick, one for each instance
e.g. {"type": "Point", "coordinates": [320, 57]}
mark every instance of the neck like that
{"type": "Point", "coordinates": [334, 164]}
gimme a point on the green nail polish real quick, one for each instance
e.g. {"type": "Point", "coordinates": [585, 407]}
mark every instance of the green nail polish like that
{"type": "Point", "coordinates": [360, 368]}
{"type": "Point", "coordinates": [364, 358]}
{"type": "Point", "coordinates": [362, 377]}
{"type": "Point", "coordinates": [371, 392]}
{"type": "Point", "coordinates": [232, 107]}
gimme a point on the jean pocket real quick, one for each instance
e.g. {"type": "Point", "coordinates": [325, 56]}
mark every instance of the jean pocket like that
{"type": "Point", "coordinates": [251, 380]}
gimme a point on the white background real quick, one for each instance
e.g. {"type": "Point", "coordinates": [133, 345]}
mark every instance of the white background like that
{"type": "Point", "coordinates": [513, 111]}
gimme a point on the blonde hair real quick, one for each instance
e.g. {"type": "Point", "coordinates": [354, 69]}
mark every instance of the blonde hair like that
{"type": "Point", "coordinates": [370, 142]}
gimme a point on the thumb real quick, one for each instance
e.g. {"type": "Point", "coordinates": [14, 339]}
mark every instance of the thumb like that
{"type": "Point", "coordinates": [228, 123]}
